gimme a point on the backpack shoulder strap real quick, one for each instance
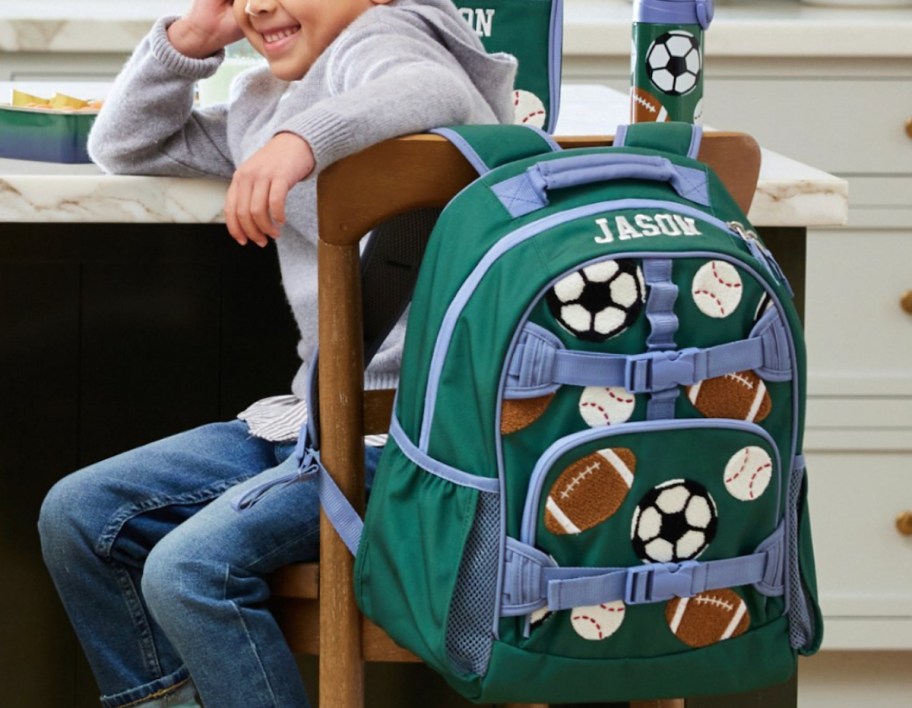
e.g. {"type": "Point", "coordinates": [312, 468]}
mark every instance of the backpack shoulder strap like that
{"type": "Point", "coordinates": [490, 146]}
{"type": "Point", "coordinates": [394, 250]}
{"type": "Point", "coordinates": [674, 138]}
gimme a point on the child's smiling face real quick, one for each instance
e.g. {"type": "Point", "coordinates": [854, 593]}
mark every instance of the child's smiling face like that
{"type": "Point", "coordinates": [291, 34]}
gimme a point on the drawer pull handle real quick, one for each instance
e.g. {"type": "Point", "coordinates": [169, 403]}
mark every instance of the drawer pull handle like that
{"type": "Point", "coordinates": [904, 523]}
{"type": "Point", "coordinates": [909, 126]}
{"type": "Point", "coordinates": [905, 302]}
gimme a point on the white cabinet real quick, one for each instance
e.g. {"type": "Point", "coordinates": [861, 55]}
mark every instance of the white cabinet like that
{"type": "Point", "coordinates": [859, 423]}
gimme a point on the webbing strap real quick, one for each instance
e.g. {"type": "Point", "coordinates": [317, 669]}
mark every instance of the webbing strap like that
{"type": "Point", "coordinates": [663, 322]}
{"type": "Point", "coordinates": [655, 582]}
{"type": "Point", "coordinates": [533, 580]}
{"type": "Point", "coordinates": [489, 146]}
{"type": "Point", "coordinates": [677, 138]}
{"type": "Point", "coordinates": [663, 326]}
{"type": "Point", "coordinates": [538, 366]}
{"type": "Point", "coordinates": [341, 513]}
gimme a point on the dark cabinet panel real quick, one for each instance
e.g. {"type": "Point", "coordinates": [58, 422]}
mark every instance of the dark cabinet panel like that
{"type": "Point", "coordinates": [112, 336]}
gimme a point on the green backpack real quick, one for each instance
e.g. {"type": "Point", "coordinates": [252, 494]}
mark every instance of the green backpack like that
{"type": "Point", "coordinates": [532, 31]}
{"type": "Point", "coordinates": [593, 488]}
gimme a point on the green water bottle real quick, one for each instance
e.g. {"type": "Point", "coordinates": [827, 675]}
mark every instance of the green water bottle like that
{"type": "Point", "coordinates": [667, 60]}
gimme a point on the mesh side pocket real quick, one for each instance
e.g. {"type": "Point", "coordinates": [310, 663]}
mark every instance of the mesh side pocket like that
{"type": "Point", "coordinates": [470, 628]}
{"type": "Point", "coordinates": [801, 622]}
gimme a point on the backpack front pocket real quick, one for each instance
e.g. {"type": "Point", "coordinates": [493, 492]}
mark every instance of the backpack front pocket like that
{"type": "Point", "coordinates": [646, 516]}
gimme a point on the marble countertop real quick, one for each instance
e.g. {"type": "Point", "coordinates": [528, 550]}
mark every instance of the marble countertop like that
{"type": "Point", "coordinates": [789, 193]}
{"type": "Point", "coordinates": [767, 28]}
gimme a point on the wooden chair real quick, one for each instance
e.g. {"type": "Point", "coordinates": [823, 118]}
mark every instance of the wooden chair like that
{"type": "Point", "coordinates": [314, 603]}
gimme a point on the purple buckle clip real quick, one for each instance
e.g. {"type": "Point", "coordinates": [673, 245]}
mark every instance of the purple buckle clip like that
{"type": "Point", "coordinates": [658, 582]}
{"type": "Point", "coordinates": [658, 371]}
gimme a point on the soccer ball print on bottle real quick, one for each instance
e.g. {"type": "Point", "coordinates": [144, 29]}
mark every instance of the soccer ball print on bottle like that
{"type": "Point", "coordinates": [667, 60]}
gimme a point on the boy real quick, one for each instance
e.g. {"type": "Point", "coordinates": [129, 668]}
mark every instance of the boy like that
{"type": "Point", "coordinates": [163, 580]}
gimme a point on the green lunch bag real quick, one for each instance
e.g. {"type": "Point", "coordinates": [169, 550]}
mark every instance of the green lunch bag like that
{"type": "Point", "coordinates": [594, 487]}
{"type": "Point", "coordinates": [530, 30]}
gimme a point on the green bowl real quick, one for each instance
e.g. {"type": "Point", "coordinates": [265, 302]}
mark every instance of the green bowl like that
{"type": "Point", "coordinates": [45, 135]}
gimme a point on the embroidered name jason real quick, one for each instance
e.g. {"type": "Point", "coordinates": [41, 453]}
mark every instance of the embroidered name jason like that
{"type": "Point", "coordinates": [642, 225]}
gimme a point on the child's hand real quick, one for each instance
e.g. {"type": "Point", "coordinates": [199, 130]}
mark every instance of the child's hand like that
{"type": "Point", "coordinates": [207, 26]}
{"type": "Point", "coordinates": [255, 204]}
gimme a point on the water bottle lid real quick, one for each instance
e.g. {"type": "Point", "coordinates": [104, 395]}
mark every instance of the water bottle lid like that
{"type": "Point", "coordinates": [674, 12]}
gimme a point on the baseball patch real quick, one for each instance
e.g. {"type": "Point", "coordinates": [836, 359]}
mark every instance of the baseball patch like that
{"type": "Point", "coordinates": [589, 491]}
{"type": "Point", "coordinates": [717, 289]}
{"type": "Point", "coordinates": [603, 405]}
{"type": "Point", "coordinates": [597, 622]}
{"type": "Point", "coordinates": [646, 108]}
{"type": "Point", "coordinates": [518, 413]}
{"type": "Point", "coordinates": [742, 396]}
{"type": "Point", "coordinates": [707, 618]}
{"type": "Point", "coordinates": [748, 473]}
{"type": "Point", "coordinates": [528, 109]}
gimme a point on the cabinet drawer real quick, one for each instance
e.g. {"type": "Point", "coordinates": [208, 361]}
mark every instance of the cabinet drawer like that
{"type": "Point", "coordinates": [864, 565]}
{"type": "Point", "coordinates": [845, 126]}
{"type": "Point", "coordinates": [859, 337]}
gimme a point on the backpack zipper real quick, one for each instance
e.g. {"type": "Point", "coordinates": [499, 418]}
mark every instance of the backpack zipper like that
{"type": "Point", "coordinates": [760, 252]}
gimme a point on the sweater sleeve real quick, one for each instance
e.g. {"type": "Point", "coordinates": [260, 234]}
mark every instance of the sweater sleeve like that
{"type": "Point", "coordinates": [382, 84]}
{"type": "Point", "coordinates": [148, 124]}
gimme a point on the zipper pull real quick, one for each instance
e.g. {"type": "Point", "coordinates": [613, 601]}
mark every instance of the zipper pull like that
{"type": "Point", "coordinates": [761, 253]}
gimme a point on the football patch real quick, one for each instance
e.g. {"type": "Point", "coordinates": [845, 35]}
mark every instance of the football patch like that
{"type": "Point", "coordinates": [742, 396]}
{"type": "Point", "coordinates": [589, 491]}
{"type": "Point", "coordinates": [675, 521]}
{"type": "Point", "coordinates": [707, 618]}
{"type": "Point", "coordinates": [519, 413]}
{"type": "Point", "coordinates": [599, 301]}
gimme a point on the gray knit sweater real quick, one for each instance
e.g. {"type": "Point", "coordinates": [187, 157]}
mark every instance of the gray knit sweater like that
{"type": "Point", "coordinates": [399, 68]}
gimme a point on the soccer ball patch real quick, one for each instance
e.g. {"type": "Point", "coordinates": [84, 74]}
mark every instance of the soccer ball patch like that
{"type": "Point", "coordinates": [673, 62]}
{"type": "Point", "coordinates": [600, 301]}
{"type": "Point", "coordinates": [675, 521]}
{"type": "Point", "coordinates": [589, 491]}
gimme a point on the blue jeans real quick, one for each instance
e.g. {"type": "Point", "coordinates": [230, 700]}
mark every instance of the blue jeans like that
{"type": "Point", "coordinates": [166, 583]}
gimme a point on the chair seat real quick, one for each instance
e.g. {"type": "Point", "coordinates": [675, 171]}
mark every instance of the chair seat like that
{"type": "Point", "coordinates": [296, 605]}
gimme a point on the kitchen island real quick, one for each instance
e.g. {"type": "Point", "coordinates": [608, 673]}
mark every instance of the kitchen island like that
{"type": "Point", "coordinates": [128, 314]}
